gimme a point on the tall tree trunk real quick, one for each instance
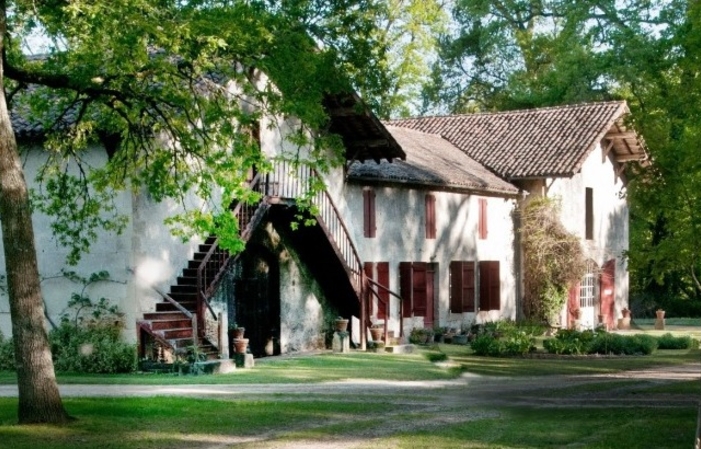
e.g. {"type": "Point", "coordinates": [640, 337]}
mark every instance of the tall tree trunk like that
{"type": "Point", "coordinates": [39, 399]}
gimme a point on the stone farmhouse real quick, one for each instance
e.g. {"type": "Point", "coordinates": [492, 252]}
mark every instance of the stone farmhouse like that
{"type": "Point", "coordinates": [419, 228]}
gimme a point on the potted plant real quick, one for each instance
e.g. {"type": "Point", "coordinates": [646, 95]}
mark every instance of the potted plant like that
{"type": "Point", "coordinates": [376, 331]}
{"type": "Point", "coordinates": [240, 344]}
{"type": "Point", "coordinates": [236, 331]}
{"type": "Point", "coordinates": [341, 324]}
{"type": "Point", "coordinates": [660, 314]}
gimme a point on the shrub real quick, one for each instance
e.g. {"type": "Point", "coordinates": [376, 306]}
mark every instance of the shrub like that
{"type": "Point", "coordinates": [668, 341]}
{"type": "Point", "coordinates": [569, 341]}
{"type": "Point", "coordinates": [605, 343]}
{"type": "Point", "coordinates": [7, 354]}
{"type": "Point", "coordinates": [420, 336]}
{"type": "Point", "coordinates": [437, 356]}
{"type": "Point", "coordinates": [505, 341]}
{"type": "Point", "coordinates": [91, 349]}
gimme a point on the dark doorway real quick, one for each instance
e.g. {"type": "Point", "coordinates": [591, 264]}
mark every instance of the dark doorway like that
{"type": "Point", "coordinates": [257, 304]}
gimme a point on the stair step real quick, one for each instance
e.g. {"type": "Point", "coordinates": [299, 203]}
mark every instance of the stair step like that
{"type": "Point", "coordinates": [181, 342]}
{"type": "Point", "coordinates": [205, 247]}
{"type": "Point", "coordinates": [188, 280]}
{"type": "Point", "coordinates": [171, 324]}
{"type": "Point", "coordinates": [211, 239]}
{"type": "Point", "coordinates": [169, 315]}
{"type": "Point", "coordinates": [183, 289]}
{"type": "Point", "coordinates": [168, 307]}
{"type": "Point", "coordinates": [184, 332]}
{"type": "Point", "coordinates": [183, 296]}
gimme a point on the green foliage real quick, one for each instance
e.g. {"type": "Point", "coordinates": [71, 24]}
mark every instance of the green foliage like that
{"type": "Point", "coordinates": [96, 348]}
{"type": "Point", "coordinates": [553, 259]}
{"type": "Point", "coordinates": [420, 336]}
{"type": "Point", "coordinates": [155, 95]}
{"type": "Point", "coordinates": [436, 356]}
{"type": "Point", "coordinates": [502, 338]}
{"type": "Point", "coordinates": [606, 343]}
{"type": "Point", "coordinates": [88, 339]}
{"type": "Point", "coordinates": [599, 342]}
{"type": "Point", "coordinates": [569, 341]}
{"type": "Point", "coordinates": [7, 354]}
{"type": "Point", "coordinates": [668, 341]}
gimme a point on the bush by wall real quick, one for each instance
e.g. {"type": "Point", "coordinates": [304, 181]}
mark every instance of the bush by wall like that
{"type": "Point", "coordinates": [95, 348]}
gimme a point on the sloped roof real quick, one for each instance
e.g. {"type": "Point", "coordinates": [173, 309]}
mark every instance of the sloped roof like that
{"type": "Point", "coordinates": [545, 142]}
{"type": "Point", "coordinates": [431, 161]}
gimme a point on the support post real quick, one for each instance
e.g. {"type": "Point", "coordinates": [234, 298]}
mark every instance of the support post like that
{"type": "Point", "coordinates": [363, 312]}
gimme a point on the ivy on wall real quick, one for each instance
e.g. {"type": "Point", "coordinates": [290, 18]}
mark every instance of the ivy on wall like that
{"type": "Point", "coordinates": [552, 259]}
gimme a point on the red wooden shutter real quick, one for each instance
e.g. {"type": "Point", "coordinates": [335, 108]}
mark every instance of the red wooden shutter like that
{"type": "Point", "coordinates": [462, 286]}
{"type": "Point", "coordinates": [369, 270]}
{"type": "Point", "coordinates": [490, 285]}
{"type": "Point", "coordinates": [482, 227]}
{"type": "Point", "coordinates": [405, 288]}
{"type": "Point", "coordinates": [608, 292]}
{"type": "Point", "coordinates": [419, 288]}
{"type": "Point", "coordinates": [430, 216]}
{"type": "Point", "coordinates": [428, 298]}
{"type": "Point", "coordinates": [369, 213]}
{"type": "Point", "coordinates": [572, 303]}
{"type": "Point", "coordinates": [456, 287]}
{"type": "Point", "coordinates": [468, 282]}
{"type": "Point", "coordinates": [383, 279]}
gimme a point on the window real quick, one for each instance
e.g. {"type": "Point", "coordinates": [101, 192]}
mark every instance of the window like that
{"type": "Point", "coordinates": [482, 225]}
{"type": "Point", "coordinates": [430, 216]}
{"type": "Point", "coordinates": [462, 286]}
{"type": "Point", "coordinates": [587, 287]}
{"type": "Point", "coordinates": [379, 272]}
{"type": "Point", "coordinates": [589, 213]}
{"type": "Point", "coordinates": [490, 285]}
{"type": "Point", "coordinates": [416, 287]}
{"type": "Point", "coordinates": [369, 227]}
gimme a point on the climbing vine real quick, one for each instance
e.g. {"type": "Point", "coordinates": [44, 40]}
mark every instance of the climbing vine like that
{"type": "Point", "coordinates": [552, 259]}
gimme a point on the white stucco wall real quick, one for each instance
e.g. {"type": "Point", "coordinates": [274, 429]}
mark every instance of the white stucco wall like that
{"type": "Point", "coordinates": [610, 215]}
{"type": "Point", "coordinates": [145, 255]}
{"type": "Point", "coordinates": [400, 220]}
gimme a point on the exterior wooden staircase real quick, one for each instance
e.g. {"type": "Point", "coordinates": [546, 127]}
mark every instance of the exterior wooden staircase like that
{"type": "Point", "coordinates": [185, 313]}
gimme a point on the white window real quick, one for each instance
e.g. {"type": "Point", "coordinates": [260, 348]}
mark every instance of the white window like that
{"type": "Point", "coordinates": [587, 287]}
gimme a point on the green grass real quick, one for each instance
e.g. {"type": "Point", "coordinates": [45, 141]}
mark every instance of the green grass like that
{"type": "Point", "coordinates": [302, 369]}
{"type": "Point", "coordinates": [567, 365]}
{"type": "Point", "coordinates": [592, 428]}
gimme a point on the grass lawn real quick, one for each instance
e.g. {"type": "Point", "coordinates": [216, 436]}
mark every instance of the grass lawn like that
{"type": "Point", "coordinates": [437, 418]}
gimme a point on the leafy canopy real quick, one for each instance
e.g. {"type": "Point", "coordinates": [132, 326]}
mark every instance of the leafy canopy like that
{"type": "Point", "coordinates": [175, 90]}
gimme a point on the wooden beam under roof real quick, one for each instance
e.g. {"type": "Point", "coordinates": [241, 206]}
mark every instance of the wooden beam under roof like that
{"type": "Point", "coordinates": [621, 135]}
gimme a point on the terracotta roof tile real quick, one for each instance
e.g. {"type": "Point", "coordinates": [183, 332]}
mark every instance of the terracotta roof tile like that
{"type": "Point", "coordinates": [431, 161]}
{"type": "Point", "coordinates": [529, 143]}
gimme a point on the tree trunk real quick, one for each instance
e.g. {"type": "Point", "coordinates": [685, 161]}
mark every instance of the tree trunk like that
{"type": "Point", "coordinates": [39, 399]}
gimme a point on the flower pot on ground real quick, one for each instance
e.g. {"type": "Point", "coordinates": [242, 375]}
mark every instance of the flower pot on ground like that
{"type": "Point", "coordinates": [660, 314]}
{"type": "Point", "coordinates": [240, 345]}
{"type": "Point", "coordinates": [376, 333]}
{"type": "Point", "coordinates": [341, 324]}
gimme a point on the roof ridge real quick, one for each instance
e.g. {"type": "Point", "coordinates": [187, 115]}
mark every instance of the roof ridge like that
{"type": "Point", "coordinates": [509, 112]}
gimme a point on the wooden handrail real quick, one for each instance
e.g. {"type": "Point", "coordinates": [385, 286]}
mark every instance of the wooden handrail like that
{"type": "Point", "coordinates": [216, 259]}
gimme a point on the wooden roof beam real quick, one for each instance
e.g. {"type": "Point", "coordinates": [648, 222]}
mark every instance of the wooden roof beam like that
{"type": "Point", "coordinates": [621, 135]}
{"type": "Point", "coordinates": [630, 157]}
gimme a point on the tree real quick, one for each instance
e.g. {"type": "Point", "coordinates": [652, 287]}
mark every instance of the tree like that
{"type": "Point", "coordinates": [172, 89]}
{"type": "Point", "coordinates": [409, 29]}
{"type": "Point", "coordinates": [530, 53]}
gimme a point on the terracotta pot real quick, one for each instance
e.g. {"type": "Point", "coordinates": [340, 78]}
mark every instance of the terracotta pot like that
{"type": "Point", "coordinates": [660, 314]}
{"type": "Point", "coordinates": [341, 325]}
{"type": "Point", "coordinates": [240, 344]}
{"type": "Point", "coordinates": [625, 313]}
{"type": "Point", "coordinates": [376, 333]}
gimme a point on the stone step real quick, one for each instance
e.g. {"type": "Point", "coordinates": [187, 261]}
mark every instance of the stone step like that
{"type": "Point", "coordinates": [168, 315]}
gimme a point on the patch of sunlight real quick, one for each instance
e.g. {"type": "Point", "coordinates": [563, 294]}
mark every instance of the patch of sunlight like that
{"type": "Point", "coordinates": [38, 431]}
{"type": "Point", "coordinates": [195, 437]}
